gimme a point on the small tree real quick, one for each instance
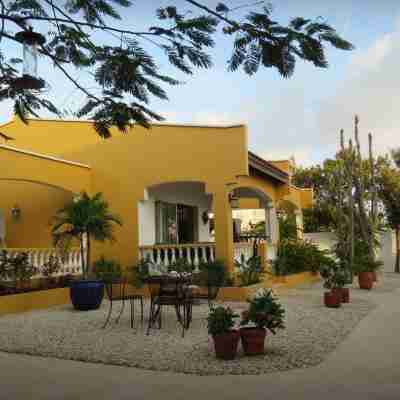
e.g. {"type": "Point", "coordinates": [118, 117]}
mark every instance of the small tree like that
{"type": "Point", "coordinates": [84, 219]}
{"type": "Point", "coordinates": [389, 192]}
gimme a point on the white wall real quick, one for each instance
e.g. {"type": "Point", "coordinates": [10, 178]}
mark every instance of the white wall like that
{"type": "Point", "coordinates": [324, 240]}
{"type": "Point", "coordinates": [386, 253]}
{"type": "Point", "coordinates": [188, 193]}
{"type": "Point", "coordinates": [147, 223]}
{"type": "Point", "coordinates": [249, 215]}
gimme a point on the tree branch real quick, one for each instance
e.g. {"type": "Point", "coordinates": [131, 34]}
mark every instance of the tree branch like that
{"type": "Point", "coordinates": [18, 21]}
{"type": "Point", "coordinates": [65, 72]}
{"type": "Point", "coordinates": [212, 12]}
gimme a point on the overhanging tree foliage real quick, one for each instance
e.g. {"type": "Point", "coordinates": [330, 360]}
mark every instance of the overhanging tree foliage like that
{"type": "Point", "coordinates": [126, 71]}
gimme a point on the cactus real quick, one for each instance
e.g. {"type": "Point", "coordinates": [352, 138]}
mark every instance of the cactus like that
{"type": "Point", "coordinates": [357, 198]}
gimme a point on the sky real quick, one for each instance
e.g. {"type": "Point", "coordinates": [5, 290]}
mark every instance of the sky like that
{"type": "Point", "coordinates": [299, 117]}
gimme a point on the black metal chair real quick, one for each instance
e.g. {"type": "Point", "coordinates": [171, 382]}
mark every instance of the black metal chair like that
{"type": "Point", "coordinates": [205, 285]}
{"type": "Point", "coordinates": [116, 290]}
{"type": "Point", "coordinates": [169, 292]}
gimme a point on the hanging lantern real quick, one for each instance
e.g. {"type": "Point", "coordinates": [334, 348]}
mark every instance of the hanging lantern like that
{"type": "Point", "coordinates": [30, 40]}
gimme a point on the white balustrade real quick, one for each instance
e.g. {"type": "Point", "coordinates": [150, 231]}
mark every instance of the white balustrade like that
{"type": "Point", "coordinates": [242, 248]}
{"type": "Point", "coordinates": [165, 255]}
{"type": "Point", "coordinates": [70, 264]}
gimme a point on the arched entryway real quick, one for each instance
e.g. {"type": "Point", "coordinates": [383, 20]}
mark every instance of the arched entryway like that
{"type": "Point", "coordinates": [253, 208]}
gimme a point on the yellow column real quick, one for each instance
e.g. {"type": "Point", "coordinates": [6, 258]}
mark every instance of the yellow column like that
{"type": "Point", "coordinates": [223, 228]}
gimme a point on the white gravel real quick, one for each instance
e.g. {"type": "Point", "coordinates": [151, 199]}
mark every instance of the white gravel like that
{"type": "Point", "coordinates": [312, 332]}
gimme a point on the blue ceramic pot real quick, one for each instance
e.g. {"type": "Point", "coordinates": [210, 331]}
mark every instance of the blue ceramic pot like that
{"type": "Point", "coordinates": [87, 295]}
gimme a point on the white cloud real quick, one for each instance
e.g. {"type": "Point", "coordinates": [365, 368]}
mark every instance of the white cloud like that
{"type": "Point", "coordinates": [372, 92]}
{"type": "Point", "coordinates": [373, 56]}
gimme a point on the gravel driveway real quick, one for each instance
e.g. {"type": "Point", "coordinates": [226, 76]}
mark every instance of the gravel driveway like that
{"type": "Point", "coordinates": [312, 332]}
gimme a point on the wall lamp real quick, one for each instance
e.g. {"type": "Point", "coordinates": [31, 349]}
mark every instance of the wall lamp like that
{"type": "Point", "coordinates": [16, 213]}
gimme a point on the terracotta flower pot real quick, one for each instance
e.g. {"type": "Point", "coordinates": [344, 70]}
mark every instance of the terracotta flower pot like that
{"type": "Point", "coordinates": [226, 345]}
{"type": "Point", "coordinates": [374, 276]}
{"type": "Point", "coordinates": [333, 299]}
{"type": "Point", "coordinates": [365, 280]}
{"type": "Point", "coordinates": [345, 294]}
{"type": "Point", "coordinates": [253, 340]}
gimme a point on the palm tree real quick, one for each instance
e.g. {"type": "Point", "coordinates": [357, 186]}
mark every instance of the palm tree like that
{"type": "Point", "coordinates": [84, 218]}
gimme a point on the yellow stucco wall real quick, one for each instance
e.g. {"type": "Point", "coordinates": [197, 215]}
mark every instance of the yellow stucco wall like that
{"type": "Point", "coordinates": [306, 197]}
{"type": "Point", "coordinates": [38, 204]}
{"type": "Point", "coordinates": [24, 166]}
{"type": "Point", "coordinates": [145, 158]}
{"type": "Point", "coordinates": [269, 187]}
{"type": "Point", "coordinates": [247, 203]}
{"type": "Point", "coordinates": [284, 165]}
{"type": "Point", "coordinates": [50, 137]}
{"type": "Point", "coordinates": [125, 165]}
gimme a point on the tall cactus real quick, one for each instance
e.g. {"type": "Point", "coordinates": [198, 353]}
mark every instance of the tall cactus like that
{"type": "Point", "coordinates": [356, 206]}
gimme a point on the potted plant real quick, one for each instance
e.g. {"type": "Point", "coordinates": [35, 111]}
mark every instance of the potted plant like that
{"type": "Point", "coordinates": [264, 313]}
{"type": "Point", "coordinates": [365, 268]}
{"type": "Point", "coordinates": [83, 219]}
{"type": "Point", "coordinates": [220, 323]}
{"type": "Point", "coordinates": [334, 278]}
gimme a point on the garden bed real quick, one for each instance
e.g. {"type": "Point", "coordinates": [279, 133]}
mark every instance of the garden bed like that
{"type": "Point", "coordinates": [33, 300]}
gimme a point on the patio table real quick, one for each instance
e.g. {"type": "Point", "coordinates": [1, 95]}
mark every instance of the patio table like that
{"type": "Point", "coordinates": [170, 290]}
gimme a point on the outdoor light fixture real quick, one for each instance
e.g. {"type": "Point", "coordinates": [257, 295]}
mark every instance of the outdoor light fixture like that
{"type": "Point", "coordinates": [30, 41]}
{"type": "Point", "coordinates": [16, 213]}
{"type": "Point", "coordinates": [233, 200]}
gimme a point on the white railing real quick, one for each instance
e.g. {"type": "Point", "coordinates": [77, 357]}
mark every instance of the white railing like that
{"type": "Point", "coordinates": [242, 248]}
{"type": "Point", "coordinates": [71, 264]}
{"type": "Point", "coordinates": [166, 254]}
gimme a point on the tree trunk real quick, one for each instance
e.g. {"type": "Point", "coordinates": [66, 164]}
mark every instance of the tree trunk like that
{"type": "Point", "coordinates": [397, 265]}
{"type": "Point", "coordinates": [82, 256]}
{"type": "Point", "coordinates": [87, 254]}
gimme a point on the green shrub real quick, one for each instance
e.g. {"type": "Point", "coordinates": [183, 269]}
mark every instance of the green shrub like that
{"type": "Point", "coordinates": [220, 320]}
{"type": "Point", "coordinates": [297, 255]}
{"type": "Point", "coordinates": [107, 270]}
{"type": "Point", "coordinates": [364, 264]}
{"type": "Point", "coordinates": [214, 273]}
{"type": "Point", "coordinates": [51, 267]}
{"type": "Point", "coordinates": [16, 268]}
{"type": "Point", "coordinates": [139, 273]}
{"type": "Point", "coordinates": [334, 276]}
{"type": "Point", "coordinates": [180, 266]}
{"type": "Point", "coordinates": [249, 271]}
{"type": "Point", "coordinates": [264, 311]}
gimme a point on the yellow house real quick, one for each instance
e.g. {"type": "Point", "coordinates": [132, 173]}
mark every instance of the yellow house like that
{"type": "Point", "coordinates": [165, 183]}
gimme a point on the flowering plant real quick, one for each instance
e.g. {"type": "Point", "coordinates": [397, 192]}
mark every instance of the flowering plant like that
{"type": "Point", "coordinates": [264, 311]}
{"type": "Point", "coordinates": [220, 320]}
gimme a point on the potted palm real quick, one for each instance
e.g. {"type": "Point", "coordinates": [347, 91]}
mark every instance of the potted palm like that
{"type": "Point", "coordinates": [85, 219]}
{"type": "Point", "coordinates": [264, 313]}
{"type": "Point", "coordinates": [334, 278]}
{"type": "Point", "coordinates": [365, 269]}
{"type": "Point", "coordinates": [220, 322]}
